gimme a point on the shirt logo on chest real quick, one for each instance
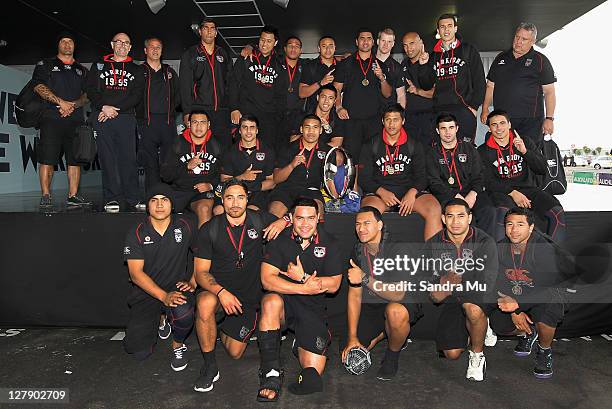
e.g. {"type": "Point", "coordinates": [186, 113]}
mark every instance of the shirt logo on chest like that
{"type": "Point", "coordinates": [528, 62]}
{"type": "Point", "coordinates": [220, 58]}
{"type": "Point", "coordinates": [462, 157]}
{"type": "Point", "coordinates": [321, 154]}
{"type": "Point", "coordinates": [319, 252]}
{"type": "Point", "coordinates": [56, 69]}
{"type": "Point", "coordinates": [260, 156]}
{"type": "Point", "coordinates": [178, 235]}
{"type": "Point", "coordinates": [252, 234]}
{"type": "Point", "coordinates": [148, 240]}
{"type": "Point", "coordinates": [501, 62]}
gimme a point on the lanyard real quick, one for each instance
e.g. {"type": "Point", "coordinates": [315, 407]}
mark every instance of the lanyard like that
{"type": "Point", "coordinates": [452, 166]}
{"type": "Point", "coordinates": [291, 74]}
{"type": "Point", "coordinates": [365, 72]}
{"type": "Point", "coordinates": [367, 254]}
{"type": "Point", "coordinates": [239, 261]}
{"type": "Point", "coordinates": [211, 62]}
{"type": "Point", "coordinates": [202, 149]}
{"type": "Point", "coordinates": [307, 164]}
{"type": "Point", "coordinates": [392, 158]}
{"type": "Point", "coordinates": [267, 62]}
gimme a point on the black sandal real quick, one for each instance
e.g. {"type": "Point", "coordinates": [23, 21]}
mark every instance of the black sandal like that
{"type": "Point", "coordinates": [270, 382]}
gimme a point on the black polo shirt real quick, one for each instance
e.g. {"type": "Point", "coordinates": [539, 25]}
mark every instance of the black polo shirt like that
{"type": "Point", "coordinates": [321, 255]}
{"type": "Point", "coordinates": [236, 160]}
{"type": "Point", "coordinates": [66, 81]}
{"type": "Point", "coordinates": [361, 101]}
{"type": "Point", "coordinates": [293, 78]}
{"type": "Point", "coordinates": [165, 257]}
{"type": "Point", "coordinates": [157, 89]}
{"type": "Point", "coordinates": [314, 71]}
{"type": "Point", "coordinates": [305, 175]}
{"type": "Point", "coordinates": [334, 128]}
{"type": "Point", "coordinates": [414, 103]}
{"type": "Point", "coordinates": [214, 244]}
{"type": "Point", "coordinates": [393, 72]}
{"type": "Point", "coordinates": [518, 83]}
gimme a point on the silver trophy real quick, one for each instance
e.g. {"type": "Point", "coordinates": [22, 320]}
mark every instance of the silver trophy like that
{"type": "Point", "coordinates": [338, 173]}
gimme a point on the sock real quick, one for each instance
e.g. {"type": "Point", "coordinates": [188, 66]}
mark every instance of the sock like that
{"type": "Point", "coordinates": [542, 348]}
{"type": "Point", "coordinates": [269, 349]}
{"type": "Point", "coordinates": [210, 359]}
{"type": "Point", "coordinates": [392, 355]}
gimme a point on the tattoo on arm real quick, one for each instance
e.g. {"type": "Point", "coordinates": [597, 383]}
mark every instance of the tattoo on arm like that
{"type": "Point", "coordinates": [81, 101]}
{"type": "Point", "coordinates": [209, 279]}
{"type": "Point", "coordinates": [46, 94]}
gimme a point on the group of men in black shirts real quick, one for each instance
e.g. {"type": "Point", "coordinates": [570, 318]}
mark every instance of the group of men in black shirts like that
{"type": "Point", "coordinates": [287, 114]}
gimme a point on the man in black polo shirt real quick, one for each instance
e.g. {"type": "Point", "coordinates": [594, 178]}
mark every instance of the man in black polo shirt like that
{"type": "Point", "coordinates": [456, 71]}
{"type": "Point", "coordinates": [251, 161]}
{"type": "Point", "coordinates": [416, 101]}
{"type": "Point", "coordinates": [463, 270]}
{"type": "Point", "coordinates": [384, 46]}
{"type": "Point", "coordinates": [519, 80]}
{"type": "Point", "coordinates": [362, 84]}
{"type": "Point", "coordinates": [318, 72]}
{"type": "Point", "coordinates": [115, 86]}
{"type": "Point", "coordinates": [156, 251]}
{"type": "Point", "coordinates": [294, 69]}
{"type": "Point", "coordinates": [376, 309]}
{"type": "Point", "coordinates": [298, 269]}
{"type": "Point", "coordinates": [204, 76]}
{"type": "Point", "coordinates": [325, 110]}
{"type": "Point", "coordinates": [510, 165]}
{"type": "Point", "coordinates": [227, 262]}
{"type": "Point", "coordinates": [60, 81]}
{"type": "Point", "coordinates": [531, 302]}
{"type": "Point", "coordinates": [299, 168]}
{"type": "Point", "coordinates": [393, 176]}
{"type": "Point", "coordinates": [454, 169]}
{"type": "Point", "coordinates": [259, 87]}
{"type": "Point", "coordinates": [192, 168]}
{"type": "Point", "coordinates": [157, 111]}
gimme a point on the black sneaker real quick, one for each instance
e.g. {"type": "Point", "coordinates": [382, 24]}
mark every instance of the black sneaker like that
{"type": "Point", "coordinates": [179, 360]}
{"type": "Point", "coordinates": [544, 361]}
{"type": "Point", "coordinates": [164, 329]}
{"type": "Point", "coordinates": [388, 369]}
{"type": "Point", "coordinates": [525, 344]}
{"type": "Point", "coordinates": [206, 380]}
{"type": "Point", "coordinates": [45, 202]}
{"type": "Point", "coordinates": [77, 200]}
{"type": "Point", "coordinates": [112, 207]}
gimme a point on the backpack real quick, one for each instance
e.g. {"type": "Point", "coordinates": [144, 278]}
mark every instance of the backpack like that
{"type": "Point", "coordinates": [29, 107]}
{"type": "Point", "coordinates": [84, 145]}
{"type": "Point", "coordinates": [554, 180]}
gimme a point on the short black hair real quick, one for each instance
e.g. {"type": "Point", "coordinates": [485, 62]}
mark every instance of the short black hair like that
{"type": "Point", "coordinates": [447, 16]}
{"type": "Point", "coordinates": [455, 201]}
{"type": "Point", "coordinates": [446, 117]}
{"type": "Point", "coordinates": [394, 108]}
{"type": "Point", "coordinates": [311, 116]}
{"type": "Point", "coordinates": [364, 30]}
{"type": "Point", "coordinates": [329, 87]}
{"type": "Point", "coordinates": [326, 36]}
{"type": "Point", "coordinates": [520, 211]}
{"type": "Point", "coordinates": [199, 112]}
{"type": "Point", "coordinates": [304, 202]}
{"type": "Point", "coordinates": [248, 117]}
{"type": "Point", "coordinates": [270, 30]}
{"type": "Point", "coordinates": [373, 210]}
{"type": "Point", "coordinates": [293, 37]}
{"type": "Point", "coordinates": [498, 112]}
{"type": "Point", "coordinates": [208, 20]}
{"type": "Point", "coordinates": [234, 182]}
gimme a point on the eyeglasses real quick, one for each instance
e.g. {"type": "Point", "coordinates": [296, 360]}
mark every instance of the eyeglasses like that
{"type": "Point", "coordinates": [120, 42]}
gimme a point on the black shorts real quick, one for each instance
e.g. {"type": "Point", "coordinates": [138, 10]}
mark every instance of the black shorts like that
{"type": "Point", "coordinates": [239, 327]}
{"type": "Point", "coordinates": [182, 199]}
{"type": "Point", "coordinates": [310, 327]}
{"type": "Point", "coordinates": [56, 137]}
{"type": "Point", "coordinates": [550, 314]}
{"type": "Point", "coordinates": [451, 332]}
{"type": "Point", "coordinates": [399, 192]}
{"type": "Point", "coordinates": [288, 194]}
{"type": "Point", "coordinates": [541, 201]}
{"type": "Point", "coordinates": [372, 320]}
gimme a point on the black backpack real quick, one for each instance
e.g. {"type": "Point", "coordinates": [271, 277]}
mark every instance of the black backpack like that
{"type": "Point", "coordinates": [554, 180]}
{"type": "Point", "coordinates": [29, 107]}
{"type": "Point", "coordinates": [84, 147]}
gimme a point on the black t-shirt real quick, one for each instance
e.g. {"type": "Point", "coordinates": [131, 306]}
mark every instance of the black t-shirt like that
{"type": "Point", "coordinates": [214, 244]}
{"type": "Point", "coordinates": [158, 89]}
{"type": "Point", "coordinates": [518, 83]}
{"type": "Point", "coordinates": [237, 160]}
{"type": "Point", "coordinates": [294, 77]}
{"type": "Point", "coordinates": [321, 256]}
{"type": "Point", "coordinates": [165, 257]}
{"type": "Point", "coordinates": [393, 72]}
{"type": "Point", "coordinates": [361, 101]}
{"type": "Point", "coordinates": [314, 71]}
{"type": "Point", "coordinates": [309, 174]}
{"type": "Point", "coordinates": [66, 81]}
{"type": "Point", "coordinates": [414, 103]}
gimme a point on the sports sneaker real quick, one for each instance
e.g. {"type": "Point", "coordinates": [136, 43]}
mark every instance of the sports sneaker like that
{"type": "Point", "coordinates": [477, 366]}
{"type": "Point", "coordinates": [206, 380]}
{"type": "Point", "coordinates": [77, 200]}
{"type": "Point", "coordinates": [490, 337]}
{"type": "Point", "coordinates": [388, 369]}
{"type": "Point", "coordinates": [179, 361]}
{"type": "Point", "coordinates": [525, 343]}
{"type": "Point", "coordinates": [140, 207]}
{"type": "Point", "coordinates": [294, 349]}
{"type": "Point", "coordinates": [112, 207]}
{"type": "Point", "coordinates": [406, 343]}
{"type": "Point", "coordinates": [544, 361]}
{"type": "Point", "coordinates": [45, 202]}
{"type": "Point", "coordinates": [164, 329]}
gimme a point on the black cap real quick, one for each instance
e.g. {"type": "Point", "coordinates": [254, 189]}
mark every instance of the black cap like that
{"type": "Point", "coordinates": [160, 189]}
{"type": "Point", "coordinates": [66, 34]}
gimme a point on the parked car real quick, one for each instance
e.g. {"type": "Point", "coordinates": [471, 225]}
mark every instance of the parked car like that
{"type": "Point", "coordinates": [602, 162]}
{"type": "Point", "coordinates": [580, 161]}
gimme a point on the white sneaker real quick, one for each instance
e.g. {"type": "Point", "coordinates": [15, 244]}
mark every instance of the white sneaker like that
{"type": "Point", "coordinates": [477, 366]}
{"type": "Point", "coordinates": [112, 207]}
{"type": "Point", "coordinates": [490, 337]}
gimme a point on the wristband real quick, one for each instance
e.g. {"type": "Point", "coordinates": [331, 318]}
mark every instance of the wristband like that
{"type": "Point", "coordinates": [552, 118]}
{"type": "Point", "coordinates": [355, 285]}
{"type": "Point", "coordinates": [219, 292]}
{"type": "Point", "coordinates": [287, 220]}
